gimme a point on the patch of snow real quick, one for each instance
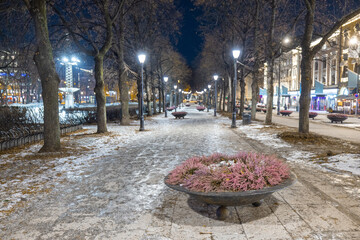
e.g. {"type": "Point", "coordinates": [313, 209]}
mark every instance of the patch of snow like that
{"type": "Point", "coordinates": [345, 162]}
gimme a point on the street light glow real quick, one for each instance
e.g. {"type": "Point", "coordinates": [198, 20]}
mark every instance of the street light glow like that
{"type": "Point", "coordinates": [65, 59]}
{"type": "Point", "coordinates": [179, 90]}
{"type": "Point", "coordinates": [286, 40]}
{"type": "Point", "coordinates": [236, 53]}
{"type": "Point", "coordinates": [166, 79]}
{"type": "Point", "coordinates": [204, 89]}
{"type": "Point", "coordinates": [75, 60]}
{"type": "Point", "coordinates": [353, 41]}
{"type": "Point", "coordinates": [142, 58]}
{"type": "Point", "coordinates": [175, 87]}
{"type": "Point", "coordinates": [216, 77]}
{"type": "Point", "coordinates": [209, 86]}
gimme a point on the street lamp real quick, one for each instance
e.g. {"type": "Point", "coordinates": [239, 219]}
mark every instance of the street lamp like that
{"type": "Point", "coordinates": [180, 98]}
{"type": "Point", "coordinates": [175, 87]}
{"type": "Point", "coordinates": [236, 54]}
{"type": "Point", "coordinates": [285, 41]}
{"type": "Point", "coordinates": [142, 58]}
{"type": "Point", "coordinates": [204, 97]}
{"type": "Point", "coordinates": [69, 90]}
{"type": "Point", "coordinates": [215, 96]}
{"type": "Point", "coordinates": [208, 100]}
{"type": "Point", "coordinates": [165, 81]}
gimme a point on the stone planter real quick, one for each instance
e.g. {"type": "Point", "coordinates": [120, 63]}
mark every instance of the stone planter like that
{"type": "Point", "coordinates": [285, 112]}
{"type": "Point", "coordinates": [312, 115]}
{"type": "Point", "coordinates": [337, 117]}
{"type": "Point", "coordinates": [200, 108]}
{"type": "Point", "coordinates": [170, 109]}
{"type": "Point", "coordinates": [224, 199]}
{"type": "Point", "coordinates": [179, 115]}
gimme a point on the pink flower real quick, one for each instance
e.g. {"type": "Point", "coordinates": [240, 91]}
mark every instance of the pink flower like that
{"type": "Point", "coordinates": [223, 173]}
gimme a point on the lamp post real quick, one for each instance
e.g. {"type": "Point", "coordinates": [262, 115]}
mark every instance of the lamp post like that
{"type": "Point", "coordinates": [69, 90]}
{"type": "Point", "coordinates": [180, 98]}
{"type": "Point", "coordinates": [208, 100]}
{"type": "Point", "coordinates": [204, 97]}
{"type": "Point", "coordinates": [164, 88]}
{"type": "Point", "coordinates": [175, 87]}
{"type": "Point", "coordinates": [142, 58]}
{"type": "Point", "coordinates": [285, 41]}
{"type": "Point", "coordinates": [215, 96]}
{"type": "Point", "coordinates": [236, 54]}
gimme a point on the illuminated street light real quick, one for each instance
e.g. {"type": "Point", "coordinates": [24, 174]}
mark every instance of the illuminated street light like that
{"type": "Point", "coordinates": [142, 58]}
{"type": "Point", "coordinates": [164, 88]}
{"type": "Point", "coordinates": [215, 95]}
{"type": "Point", "coordinates": [236, 54]}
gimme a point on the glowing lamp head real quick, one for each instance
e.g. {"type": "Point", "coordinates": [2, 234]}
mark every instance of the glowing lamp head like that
{"type": "Point", "coordinates": [353, 41]}
{"type": "Point", "coordinates": [142, 58]}
{"type": "Point", "coordinates": [75, 60]}
{"type": "Point", "coordinates": [179, 90]}
{"type": "Point", "coordinates": [287, 40]}
{"type": "Point", "coordinates": [209, 86]}
{"type": "Point", "coordinates": [216, 77]}
{"type": "Point", "coordinates": [166, 79]}
{"type": "Point", "coordinates": [236, 53]}
{"type": "Point", "coordinates": [175, 87]}
{"type": "Point", "coordinates": [204, 89]}
{"type": "Point", "coordinates": [65, 59]}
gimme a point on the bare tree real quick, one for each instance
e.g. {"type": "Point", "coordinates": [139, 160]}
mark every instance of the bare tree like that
{"type": "Point", "coordinates": [92, 32]}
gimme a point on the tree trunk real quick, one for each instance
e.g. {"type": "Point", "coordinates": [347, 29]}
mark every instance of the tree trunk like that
{"type": "Point", "coordinates": [49, 79]}
{"type": "Point", "coordinates": [147, 91]}
{"type": "Point", "coordinates": [254, 94]}
{"type": "Point", "coordinates": [229, 108]}
{"type": "Point", "coordinates": [307, 56]}
{"type": "Point", "coordinates": [224, 96]}
{"type": "Point", "coordinates": [124, 96]}
{"type": "Point", "coordinates": [270, 92]}
{"type": "Point", "coordinates": [242, 91]}
{"type": "Point", "coordinates": [153, 92]}
{"type": "Point", "coordinates": [100, 94]}
{"type": "Point", "coordinates": [305, 96]}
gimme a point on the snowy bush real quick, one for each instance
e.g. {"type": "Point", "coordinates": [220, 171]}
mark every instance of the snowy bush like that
{"type": "Point", "coordinates": [224, 173]}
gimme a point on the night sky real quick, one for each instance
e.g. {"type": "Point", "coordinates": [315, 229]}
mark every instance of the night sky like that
{"type": "Point", "coordinates": [190, 42]}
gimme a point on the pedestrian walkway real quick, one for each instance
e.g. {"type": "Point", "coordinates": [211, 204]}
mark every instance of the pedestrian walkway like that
{"type": "Point", "coordinates": [121, 194]}
{"type": "Point", "coordinates": [348, 130]}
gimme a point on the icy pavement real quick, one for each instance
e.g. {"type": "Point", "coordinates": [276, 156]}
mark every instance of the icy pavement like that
{"type": "Point", "coordinates": [110, 186]}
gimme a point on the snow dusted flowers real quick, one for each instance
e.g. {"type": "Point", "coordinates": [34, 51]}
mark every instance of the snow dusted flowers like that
{"type": "Point", "coordinates": [223, 173]}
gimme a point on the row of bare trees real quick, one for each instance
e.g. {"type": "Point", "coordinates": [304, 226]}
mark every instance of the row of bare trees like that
{"type": "Point", "coordinates": [258, 28]}
{"type": "Point", "coordinates": [109, 34]}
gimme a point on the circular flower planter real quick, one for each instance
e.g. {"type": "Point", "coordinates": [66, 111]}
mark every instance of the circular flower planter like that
{"type": "Point", "coordinates": [200, 108]}
{"type": "Point", "coordinates": [285, 112]}
{"type": "Point", "coordinates": [337, 117]}
{"type": "Point", "coordinates": [235, 180]}
{"type": "Point", "coordinates": [224, 199]}
{"type": "Point", "coordinates": [170, 109]}
{"type": "Point", "coordinates": [179, 115]}
{"type": "Point", "coordinates": [312, 115]}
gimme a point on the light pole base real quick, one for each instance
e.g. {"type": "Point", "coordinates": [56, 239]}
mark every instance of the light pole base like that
{"type": "Point", "coordinates": [233, 126]}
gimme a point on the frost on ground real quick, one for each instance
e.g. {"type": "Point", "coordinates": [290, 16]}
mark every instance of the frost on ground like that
{"type": "Point", "coordinates": [345, 162]}
{"type": "Point", "coordinates": [342, 162]}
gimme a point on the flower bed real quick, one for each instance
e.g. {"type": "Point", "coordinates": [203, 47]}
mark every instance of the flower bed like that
{"type": "Point", "coordinates": [224, 173]}
{"type": "Point", "coordinates": [285, 112]}
{"type": "Point", "coordinates": [179, 115]}
{"type": "Point", "coordinates": [312, 115]}
{"type": "Point", "coordinates": [200, 108]}
{"type": "Point", "coordinates": [170, 108]}
{"type": "Point", "coordinates": [337, 117]}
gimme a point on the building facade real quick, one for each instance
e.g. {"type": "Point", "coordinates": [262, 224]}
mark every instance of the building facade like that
{"type": "Point", "coordinates": [335, 70]}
